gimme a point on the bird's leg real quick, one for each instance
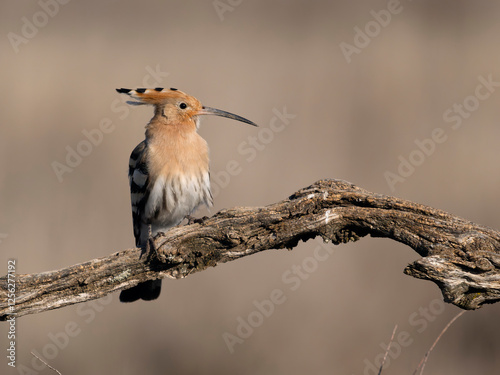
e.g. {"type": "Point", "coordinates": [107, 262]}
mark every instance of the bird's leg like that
{"type": "Point", "coordinates": [151, 244]}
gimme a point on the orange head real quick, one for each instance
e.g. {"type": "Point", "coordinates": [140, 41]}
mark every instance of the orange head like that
{"type": "Point", "coordinates": [174, 106]}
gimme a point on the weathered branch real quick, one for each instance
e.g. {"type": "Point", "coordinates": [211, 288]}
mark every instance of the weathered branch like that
{"type": "Point", "coordinates": [461, 257]}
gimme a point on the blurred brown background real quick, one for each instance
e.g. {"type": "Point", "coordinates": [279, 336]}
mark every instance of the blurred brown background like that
{"type": "Point", "coordinates": [354, 121]}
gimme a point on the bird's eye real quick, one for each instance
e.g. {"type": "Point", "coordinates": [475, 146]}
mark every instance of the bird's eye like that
{"type": "Point", "coordinates": [183, 106]}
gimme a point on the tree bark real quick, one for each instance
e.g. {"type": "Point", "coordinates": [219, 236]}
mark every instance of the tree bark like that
{"type": "Point", "coordinates": [461, 257]}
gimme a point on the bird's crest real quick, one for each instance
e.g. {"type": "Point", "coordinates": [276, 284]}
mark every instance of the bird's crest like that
{"type": "Point", "coordinates": [183, 108]}
{"type": "Point", "coordinates": [156, 96]}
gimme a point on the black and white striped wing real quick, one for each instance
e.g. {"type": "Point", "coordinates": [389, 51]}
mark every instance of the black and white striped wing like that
{"type": "Point", "coordinates": [139, 193]}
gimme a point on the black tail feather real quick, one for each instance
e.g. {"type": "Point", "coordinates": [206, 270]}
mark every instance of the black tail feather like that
{"type": "Point", "coordinates": [148, 291]}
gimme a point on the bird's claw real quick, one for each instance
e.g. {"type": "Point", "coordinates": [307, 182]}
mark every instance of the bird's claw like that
{"type": "Point", "coordinates": [194, 220]}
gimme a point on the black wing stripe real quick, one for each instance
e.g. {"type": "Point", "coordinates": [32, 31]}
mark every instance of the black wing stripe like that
{"type": "Point", "coordinates": [139, 193]}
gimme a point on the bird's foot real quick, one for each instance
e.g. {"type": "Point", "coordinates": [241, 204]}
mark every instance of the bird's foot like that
{"type": "Point", "coordinates": [194, 220]}
{"type": "Point", "coordinates": [190, 219]}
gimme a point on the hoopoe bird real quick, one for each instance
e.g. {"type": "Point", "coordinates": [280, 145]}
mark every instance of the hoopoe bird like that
{"type": "Point", "coordinates": [168, 171]}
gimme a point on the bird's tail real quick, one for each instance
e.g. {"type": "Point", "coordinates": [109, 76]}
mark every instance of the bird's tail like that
{"type": "Point", "coordinates": [148, 291]}
{"type": "Point", "coordinates": [156, 96]}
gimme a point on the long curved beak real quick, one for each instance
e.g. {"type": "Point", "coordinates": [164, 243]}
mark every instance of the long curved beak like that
{"type": "Point", "coordinates": [218, 112]}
